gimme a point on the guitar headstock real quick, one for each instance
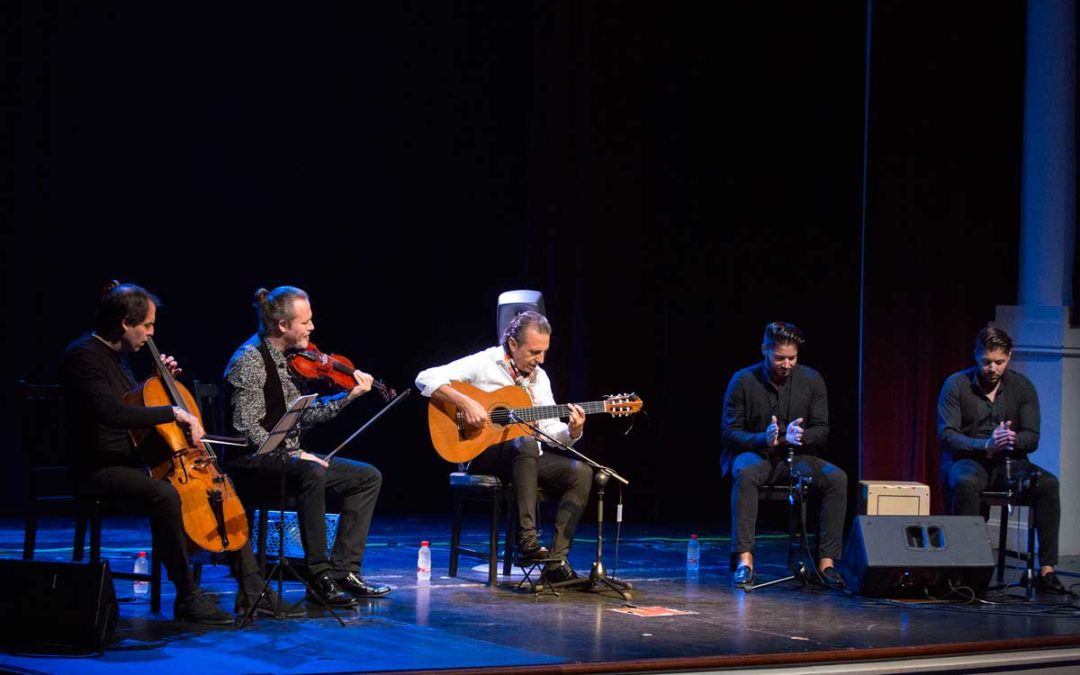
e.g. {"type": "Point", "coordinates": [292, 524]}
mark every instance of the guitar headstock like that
{"type": "Point", "coordinates": [621, 405]}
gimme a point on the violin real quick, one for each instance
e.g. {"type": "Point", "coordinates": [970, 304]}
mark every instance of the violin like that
{"type": "Point", "coordinates": [330, 370]}
{"type": "Point", "coordinates": [214, 518]}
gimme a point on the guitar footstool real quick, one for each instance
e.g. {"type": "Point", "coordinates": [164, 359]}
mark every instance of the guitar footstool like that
{"type": "Point", "coordinates": [531, 567]}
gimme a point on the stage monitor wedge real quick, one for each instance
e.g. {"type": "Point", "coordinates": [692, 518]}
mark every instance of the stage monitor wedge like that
{"type": "Point", "coordinates": [917, 556]}
{"type": "Point", "coordinates": [56, 607]}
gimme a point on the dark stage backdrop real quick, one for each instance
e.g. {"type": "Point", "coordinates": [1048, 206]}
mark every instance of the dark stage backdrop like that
{"type": "Point", "coordinates": [945, 140]}
{"type": "Point", "coordinates": [671, 176]}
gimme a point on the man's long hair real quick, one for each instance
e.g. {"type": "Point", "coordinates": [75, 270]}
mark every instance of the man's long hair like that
{"type": "Point", "coordinates": [520, 323]}
{"type": "Point", "coordinates": [276, 305]}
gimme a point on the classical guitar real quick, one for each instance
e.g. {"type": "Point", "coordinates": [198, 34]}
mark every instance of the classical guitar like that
{"type": "Point", "coordinates": [506, 407]}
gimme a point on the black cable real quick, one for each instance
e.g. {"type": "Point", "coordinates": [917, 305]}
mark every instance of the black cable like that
{"type": "Point", "coordinates": [618, 530]}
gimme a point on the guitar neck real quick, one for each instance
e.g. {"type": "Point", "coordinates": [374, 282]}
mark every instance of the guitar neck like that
{"type": "Point", "coordinates": [544, 412]}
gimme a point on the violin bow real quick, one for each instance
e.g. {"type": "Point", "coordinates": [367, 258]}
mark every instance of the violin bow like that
{"type": "Point", "coordinates": [393, 402]}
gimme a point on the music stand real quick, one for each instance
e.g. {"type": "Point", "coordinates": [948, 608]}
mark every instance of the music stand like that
{"type": "Point", "coordinates": [288, 424]}
{"type": "Point", "coordinates": [598, 579]}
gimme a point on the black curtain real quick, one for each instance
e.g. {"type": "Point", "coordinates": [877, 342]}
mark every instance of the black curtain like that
{"type": "Point", "coordinates": [672, 177]}
{"type": "Point", "coordinates": [943, 186]}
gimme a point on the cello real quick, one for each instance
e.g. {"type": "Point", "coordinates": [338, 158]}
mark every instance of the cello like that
{"type": "Point", "coordinates": [214, 518]}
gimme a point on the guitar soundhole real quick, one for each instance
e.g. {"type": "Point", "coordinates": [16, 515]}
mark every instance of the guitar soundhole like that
{"type": "Point", "coordinates": [500, 416]}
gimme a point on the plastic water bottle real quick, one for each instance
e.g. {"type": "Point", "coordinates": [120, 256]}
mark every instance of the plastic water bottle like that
{"type": "Point", "coordinates": [423, 562]}
{"type": "Point", "coordinates": [693, 554]}
{"type": "Point", "coordinates": [142, 566]}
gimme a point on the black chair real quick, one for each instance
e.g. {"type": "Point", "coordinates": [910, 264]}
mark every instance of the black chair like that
{"type": "Point", "coordinates": [493, 493]}
{"type": "Point", "coordinates": [50, 477]}
{"type": "Point", "coordinates": [797, 492]}
{"type": "Point", "coordinates": [52, 483]}
{"type": "Point", "coordinates": [210, 398]}
{"type": "Point", "coordinates": [258, 495]}
{"type": "Point", "coordinates": [1014, 495]}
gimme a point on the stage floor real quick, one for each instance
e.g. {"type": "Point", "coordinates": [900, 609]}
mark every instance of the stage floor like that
{"type": "Point", "coordinates": [463, 624]}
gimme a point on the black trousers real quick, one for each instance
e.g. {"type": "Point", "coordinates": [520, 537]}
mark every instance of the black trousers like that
{"type": "Point", "coordinates": [348, 485]}
{"type": "Point", "coordinates": [966, 478]}
{"type": "Point", "coordinates": [751, 470]}
{"type": "Point", "coordinates": [520, 462]}
{"type": "Point", "coordinates": [129, 485]}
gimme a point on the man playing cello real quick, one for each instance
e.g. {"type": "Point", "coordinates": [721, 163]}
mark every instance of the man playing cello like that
{"type": "Point", "coordinates": [96, 375]}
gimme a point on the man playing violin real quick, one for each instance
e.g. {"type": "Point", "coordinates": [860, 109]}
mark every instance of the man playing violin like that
{"type": "Point", "coordinates": [260, 388]}
{"type": "Point", "coordinates": [517, 361]}
{"type": "Point", "coordinates": [96, 375]}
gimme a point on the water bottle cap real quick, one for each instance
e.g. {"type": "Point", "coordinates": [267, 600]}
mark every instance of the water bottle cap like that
{"type": "Point", "coordinates": [693, 536]}
{"type": "Point", "coordinates": [424, 543]}
{"type": "Point", "coordinates": [142, 554]}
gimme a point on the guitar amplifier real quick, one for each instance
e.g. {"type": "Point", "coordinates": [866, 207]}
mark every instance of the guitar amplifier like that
{"type": "Point", "coordinates": [893, 498]}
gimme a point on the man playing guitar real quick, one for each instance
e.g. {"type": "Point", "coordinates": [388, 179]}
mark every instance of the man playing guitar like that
{"type": "Point", "coordinates": [517, 362]}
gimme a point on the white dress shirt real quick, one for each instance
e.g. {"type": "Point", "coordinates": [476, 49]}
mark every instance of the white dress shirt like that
{"type": "Point", "coordinates": [489, 370]}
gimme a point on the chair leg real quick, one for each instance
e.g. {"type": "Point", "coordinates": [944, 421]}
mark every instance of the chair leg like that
{"type": "Point", "coordinates": [95, 536]}
{"type": "Point", "coordinates": [511, 531]}
{"type": "Point", "coordinates": [30, 534]}
{"type": "Point", "coordinates": [1031, 571]}
{"type": "Point", "coordinates": [792, 530]}
{"type": "Point", "coordinates": [1003, 539]}
{"type": "Point", "coordinates": [455, 532]}
{"type": "Point", "coordinates": [78, 547]}
{"type": "Point", "coordinates": [155, 581]}
{"type": "Point", "coordinates": [263, 527]}
{"type": "Point", "coordinates": [493, 539]}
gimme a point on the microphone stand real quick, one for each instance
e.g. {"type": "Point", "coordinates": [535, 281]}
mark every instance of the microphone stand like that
{"type": "Point", "coordinates": [797, 484]}
{"type": "Point", "coordinates": [598, 580]}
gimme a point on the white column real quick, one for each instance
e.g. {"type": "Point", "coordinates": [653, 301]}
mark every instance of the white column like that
{"type": "Point", "coordinates": [1047, 349]}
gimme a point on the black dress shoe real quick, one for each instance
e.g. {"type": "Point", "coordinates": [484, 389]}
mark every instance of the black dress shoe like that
{"type": "Point", "coordinates": [530, 553]}
{"type": "Point", "coordinates": [744, 577]}
{"type": "Point", "coordinates": [355, 585]}
{"type": "Point", "coordinates": [1049, 583]}
{"type": "Point", "coordinates": [832, 577]}
{"type": "Point", "coordinates": [325, 590]}
{"type": "Point", "coordinates": [559, 574]}
{"type": "Point", "coordinates": [269, 605]}
{"type": "Point", "coordinates": [197, 607]}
